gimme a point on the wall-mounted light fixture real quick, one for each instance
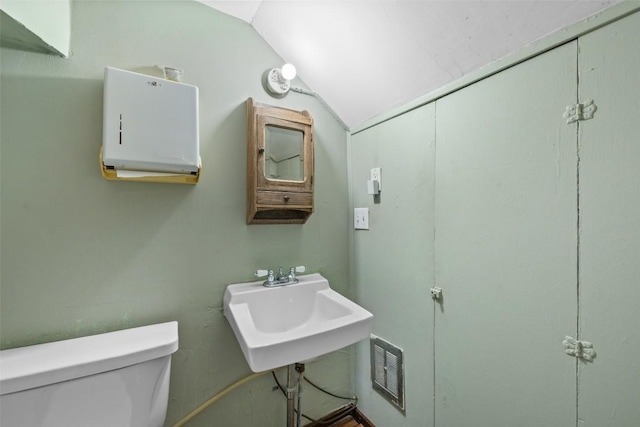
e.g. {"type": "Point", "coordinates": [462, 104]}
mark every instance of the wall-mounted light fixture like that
{"type": "Point", "coordinates": [279, 79]}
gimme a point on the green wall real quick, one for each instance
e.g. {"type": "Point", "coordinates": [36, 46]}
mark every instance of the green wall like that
{"type": "Point", "coordinates": [531, 227]}
{"type": "Point", "coordinates": [81, 255]}
{"type": "Point", "coordinates": [394, 260]}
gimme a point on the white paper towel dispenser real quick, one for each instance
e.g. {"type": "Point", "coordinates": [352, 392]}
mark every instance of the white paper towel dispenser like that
{"type": "Point", "coordinates": [149, 124]}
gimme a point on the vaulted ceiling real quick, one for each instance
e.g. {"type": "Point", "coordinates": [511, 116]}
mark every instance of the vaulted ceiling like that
{"type": "Point", "coordinates": [367, 57]}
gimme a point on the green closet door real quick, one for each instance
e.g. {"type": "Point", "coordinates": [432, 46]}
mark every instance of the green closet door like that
{"type": "Point", "coordinates": [506, 221]}
{"type": "Point", "coordinates": [610, 225]}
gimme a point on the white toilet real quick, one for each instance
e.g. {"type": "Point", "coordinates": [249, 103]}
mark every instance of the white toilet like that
{"type": "Point", "coordinates": [117, 379]}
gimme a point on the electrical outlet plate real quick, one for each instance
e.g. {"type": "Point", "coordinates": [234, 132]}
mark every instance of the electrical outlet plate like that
{"type": "Point", "coordinates": [361, 218]}
{"type": "Point", "coordinates": [376, 175]}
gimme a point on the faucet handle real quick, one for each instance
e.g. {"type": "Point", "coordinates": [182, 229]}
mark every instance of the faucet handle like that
{"type": "Point", "coordinates": [301, 269]}
{"type": "Point", "coordinates": [261, 273]}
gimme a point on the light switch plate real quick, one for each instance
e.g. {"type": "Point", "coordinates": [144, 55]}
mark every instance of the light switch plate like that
{"type": "Point", "coordinates": [361, 218]}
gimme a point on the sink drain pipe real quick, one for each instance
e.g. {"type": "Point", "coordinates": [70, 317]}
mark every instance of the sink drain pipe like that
{"type": "Point", "coordinates": [300, 371]}
{"type": "Point", "coordinates": [339, 414]}
{"type": "Point", "coordinates": [294, 392]}
{"type": "Point", "coordinates": [291, 406]}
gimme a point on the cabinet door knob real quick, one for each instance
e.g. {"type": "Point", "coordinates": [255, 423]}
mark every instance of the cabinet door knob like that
{"type": "Point", "coordinates": [261, 150]}
{"type": "Point", "coordinates": [286, 198]}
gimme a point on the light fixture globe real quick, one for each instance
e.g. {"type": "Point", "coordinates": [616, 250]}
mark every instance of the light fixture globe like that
{"type": "Point", "coordinates": [279, 79]}
{"type": "Point", "coordinates": [288, 71]}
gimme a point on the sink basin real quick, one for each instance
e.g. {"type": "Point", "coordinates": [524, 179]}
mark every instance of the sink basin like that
{"type": "Point", "coordinates": [293, 323]}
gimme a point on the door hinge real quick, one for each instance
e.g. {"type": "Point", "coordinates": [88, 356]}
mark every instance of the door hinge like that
{"type": "Point", "coordinates": [580, 349]}
{"type": "Point", "coordinates": [581, 111]}
{"type": "Point", "coordinates": [436, 293]}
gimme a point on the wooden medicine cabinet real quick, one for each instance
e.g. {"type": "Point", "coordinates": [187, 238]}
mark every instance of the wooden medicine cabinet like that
{"type": "Point", "coordinates": [279, 165]}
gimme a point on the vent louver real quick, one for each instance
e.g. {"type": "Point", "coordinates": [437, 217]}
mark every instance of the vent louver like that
{"type": "Point", "coordinates": [387, 371]}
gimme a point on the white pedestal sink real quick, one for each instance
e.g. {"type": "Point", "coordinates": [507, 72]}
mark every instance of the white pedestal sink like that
{"type": "Point", "coordinates": [293, 323]}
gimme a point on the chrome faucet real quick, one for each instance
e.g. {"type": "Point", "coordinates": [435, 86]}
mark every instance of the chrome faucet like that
{"type": "Point", "coordinates": [281, 279]}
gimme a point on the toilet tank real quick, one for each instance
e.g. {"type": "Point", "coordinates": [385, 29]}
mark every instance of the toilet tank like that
{"type": "Point", "coordinates": [115, 379]}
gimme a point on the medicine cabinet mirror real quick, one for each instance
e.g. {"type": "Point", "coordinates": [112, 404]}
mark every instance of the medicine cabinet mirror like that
{"type": "Point", "coordinates": [279, 165]}
{"type": "Point", "coordinates": [284, 154]}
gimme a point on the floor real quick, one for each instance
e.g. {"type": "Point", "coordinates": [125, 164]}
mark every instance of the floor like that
{"type": "Point", "coordinates": [353, 419]}
{"type": "Point", "coordinates": [347, 421]}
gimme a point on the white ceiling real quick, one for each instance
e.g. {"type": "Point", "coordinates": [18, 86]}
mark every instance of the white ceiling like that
{"type": "Point", "coordinates": [367, 57]}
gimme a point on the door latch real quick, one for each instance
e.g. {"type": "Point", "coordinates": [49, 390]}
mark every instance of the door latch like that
{"type": "Point", "coordinates": [436, 293]}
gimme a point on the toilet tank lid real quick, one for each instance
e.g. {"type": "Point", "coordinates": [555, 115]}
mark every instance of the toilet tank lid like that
{"type": "Point", "coordinates": [43, 364]}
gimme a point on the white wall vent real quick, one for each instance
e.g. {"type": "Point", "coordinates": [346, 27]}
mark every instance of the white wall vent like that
{"type": "Point", "coordinates": [387, 371]}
